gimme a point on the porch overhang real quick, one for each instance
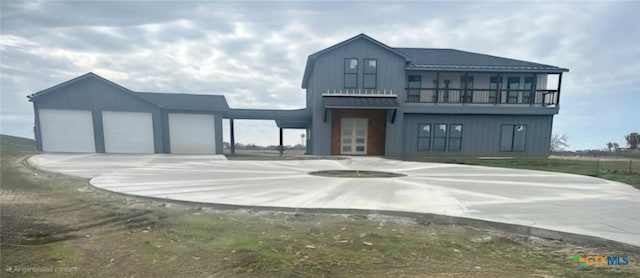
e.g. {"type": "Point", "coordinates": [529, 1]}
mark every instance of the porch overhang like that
{"type": "Point", "coordinates": [342, 102]}
{"type": "Point", "coordinates": [362, 102]}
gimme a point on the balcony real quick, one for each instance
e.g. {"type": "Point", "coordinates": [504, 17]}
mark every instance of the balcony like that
{"type": "Point", "coordinates": [483, 96]}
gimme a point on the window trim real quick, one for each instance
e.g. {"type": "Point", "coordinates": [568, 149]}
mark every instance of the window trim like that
{"type": "Point", "coordinates": [467, 91]}
{"type": "Point", "coordinates": [493, 94]}
{"type": "Point", "coordinates": [364, 74]}
{"type": "Point", "coordinates": [528, 94]}
{"type": "Point", "coordinates": [410, 89]}
{"type": "Point", "coordinates": [459, 137]}
{"type": "Point", "coordinates": [446, 136]}
{"type": "Point", "coordinates": [344, 65]}
{"type": "Point", "coordinates": [423, 137]}
{"type": "Point", "coordinates": [513, 134]}
{"type": "Point", "coordinates": [509, 90]}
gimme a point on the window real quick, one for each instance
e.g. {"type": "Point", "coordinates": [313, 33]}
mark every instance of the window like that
{"type": "Point", "coordinates": [445, 93]}
{"type": "Point", "coordinates": [467, 86]}
{"type": "Point", "coordinates": [528, 89]}
{"type": "Point", "coordinates": [494, 87]}
{"type": "Point", "coordinates": [455, 137]}
{"type": "Point", "coordinates": [370, 77]}
{"type": "Point", "coordinates": [512, 138]}
{"type": "Point", "coordinates": [350, 73]}
{"type": "Point", "coordinates": [413, 94]}
{"type": "Point", "coordinates": [424, 137]}
{"type": "Point", "coordinates": [440, 137]}
{"type": "Point", "coordinates": [513, 85]}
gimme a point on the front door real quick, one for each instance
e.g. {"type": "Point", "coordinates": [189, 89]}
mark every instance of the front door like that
{"type": "Point", "coordinates": [354, 136]}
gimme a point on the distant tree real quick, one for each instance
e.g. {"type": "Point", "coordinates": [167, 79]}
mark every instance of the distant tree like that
{"type": "Point", "coordinates": [226, 145]}
{"type": "Point", "coordinates": [616, 147]}
{"type": "Point", "coordinates": [609, 146]}
{"type": "Point", "coordinates": [633, 139]}
{"type": "Point", "coordinates": [558, 142]}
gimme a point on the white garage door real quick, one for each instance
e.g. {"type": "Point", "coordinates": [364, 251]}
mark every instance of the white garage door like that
{"type": "Point", "coordinates": [192, 133]}
{"type": "Point", "coordinates": [66, 130]}
{"type": "Point", "coordinates": [127, 132]}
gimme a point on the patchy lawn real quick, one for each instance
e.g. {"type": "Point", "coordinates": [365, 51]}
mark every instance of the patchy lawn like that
{"type": "Point", "coordinates": [625, 170]}
{"type": "Point", "coordinates": [51, 222]}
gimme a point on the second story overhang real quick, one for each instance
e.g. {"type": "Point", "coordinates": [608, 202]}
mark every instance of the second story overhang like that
{"type": "Point", "coordinates": [542, 69]}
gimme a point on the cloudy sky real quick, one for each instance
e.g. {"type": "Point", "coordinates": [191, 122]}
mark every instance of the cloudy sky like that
{"type": "Point", "coordinates": [254, 52]}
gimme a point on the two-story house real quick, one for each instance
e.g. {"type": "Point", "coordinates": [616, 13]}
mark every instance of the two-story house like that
{"type": "Point", "coordinates": [367, 98]}
{"type": "Point", "coordinates": [362, 98]}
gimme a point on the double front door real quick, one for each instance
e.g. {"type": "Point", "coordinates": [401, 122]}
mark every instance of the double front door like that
{"type": "Point", "coordinates": [354, 136]}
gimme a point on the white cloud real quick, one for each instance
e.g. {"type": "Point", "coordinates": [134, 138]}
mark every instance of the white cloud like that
{"type": "Point", "coordinates": [254, 53]}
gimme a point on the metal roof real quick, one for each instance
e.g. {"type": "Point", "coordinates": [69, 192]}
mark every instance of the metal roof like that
{"type": "Point", "coordinates": [361, 102]}
{"type": "Point", "coordinates": [457, 60]}
{"type": "Point", "coordinates": [190, 102]}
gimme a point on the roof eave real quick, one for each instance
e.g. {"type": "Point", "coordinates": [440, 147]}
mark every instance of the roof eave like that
{"type": "Point", "coordinates": [557, 70]}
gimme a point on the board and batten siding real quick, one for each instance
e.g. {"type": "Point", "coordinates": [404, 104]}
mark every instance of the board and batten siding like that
{"type": "Point", "coordinates": [328, 74]}
{"type": "Point", "coordinates": [481, 133]}
{"type": "Point", "coordinates": [96, 95]}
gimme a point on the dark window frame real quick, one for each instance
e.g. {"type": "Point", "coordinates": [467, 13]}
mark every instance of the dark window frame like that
{"type": "Point", "coordinates": [513, 134]}
{"type": "Point", "coordinates": [446, 133]}
{"type": "Point", "coordinates": [365, 74]}
{"type": "Point", "coordinates": [510, 93]}
{"type": "Point", "coordinates": [413, 94]}
{"type": "Point", "coordinates": [467, 91]}
{"type": "Point", "coordinates": [420, 125]}
{"type": "Point", "coordinates": [456, 137]}
{"type": "Point", "coordinates": [350, 73]}
{"type": "Point", "coordinates": [493, 94]}
{"type": "Point", "coordinates": [528, 93]}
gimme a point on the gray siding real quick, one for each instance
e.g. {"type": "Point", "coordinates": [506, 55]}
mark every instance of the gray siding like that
{"type": "Point", "coordinates": [328, 74]}
{"type": "Point", "coordinates": [93, 94]}
{"type": "Point", "coordinates": [481, 133]}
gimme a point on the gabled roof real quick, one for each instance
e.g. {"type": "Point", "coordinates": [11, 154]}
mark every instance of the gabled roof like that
{"type": "Point", "coordinates": [191, 102]}
{"type": "Point", "coordinates": [38, 94]}
{"type": "Point", "coordinates": [453, 60]}
{"type": "Point", "coordinates": [162, 100]}
{"type": "Point", "coordinates": [436, 59]}
{"type": "Point", "coordinates": [311, 59]}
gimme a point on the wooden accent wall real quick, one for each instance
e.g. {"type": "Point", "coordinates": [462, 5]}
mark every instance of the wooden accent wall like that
{"type": "Point", "coordinates": [376, 129]}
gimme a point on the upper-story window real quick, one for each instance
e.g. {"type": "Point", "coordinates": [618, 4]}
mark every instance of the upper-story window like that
{"type": "Point", "coordinates": [528, 89]}
{"type": "Point", "coordinates": [467, 88]}
{"type": "Point", "coordinates": [513, 87]}
{"type": "Point", "coordinates": [350, 73]}
{"type": "Point", "coordinates": [370, 70]}
{"type": "Point", "coordinates": [494, 86]}
{"type": "Point", "coordinates": [414, 83]}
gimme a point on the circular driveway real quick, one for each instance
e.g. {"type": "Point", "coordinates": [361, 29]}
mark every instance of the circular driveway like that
{"type": "Point", "coordinates": [556, 201]}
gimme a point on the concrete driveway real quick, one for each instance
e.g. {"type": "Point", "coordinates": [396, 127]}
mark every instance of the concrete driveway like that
{"type": "Point", "coordinates": [562, 202]}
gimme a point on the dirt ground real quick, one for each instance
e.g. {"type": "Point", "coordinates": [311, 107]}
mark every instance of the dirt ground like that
{"type": "Point", "coordinates": [55, 225]}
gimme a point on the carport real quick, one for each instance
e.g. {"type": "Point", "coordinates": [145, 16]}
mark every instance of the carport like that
{"type": "Point", "coordinates": [285, 119]}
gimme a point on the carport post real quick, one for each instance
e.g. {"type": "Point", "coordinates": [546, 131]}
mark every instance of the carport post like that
{"type": "Point", "coordinates": [281, 146]}
{"type": "Point", "coordinates": [232, 144]}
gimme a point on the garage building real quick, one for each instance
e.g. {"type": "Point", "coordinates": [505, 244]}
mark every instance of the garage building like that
{"type": "Point", "coordinates": [92, 114]}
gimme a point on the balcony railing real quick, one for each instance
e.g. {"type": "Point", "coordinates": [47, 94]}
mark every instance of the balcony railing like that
{"type": "Point", "coordinates": [360, 93]}
{"type": "Point", "coordinates": [482, 96]}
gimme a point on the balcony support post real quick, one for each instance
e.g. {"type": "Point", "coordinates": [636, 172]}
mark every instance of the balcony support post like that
{"type": "Point", "coordinates": [558, 94]}
{"type": "Point", "coordinates": [437, 87]}
{"type": "Point", "coordinates": [498, 89]}
{"type": "Point", "coordinates": [464, 90]}
{"type": "Point", "coordinates": [534, 88]}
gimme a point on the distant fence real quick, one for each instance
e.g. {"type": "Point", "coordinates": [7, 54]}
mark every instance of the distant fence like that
{"type": "Point", "coordinates": [630, 166]}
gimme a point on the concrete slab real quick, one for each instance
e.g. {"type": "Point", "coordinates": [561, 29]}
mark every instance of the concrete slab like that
{"type": "Point", "coordinates": [555, 201]}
